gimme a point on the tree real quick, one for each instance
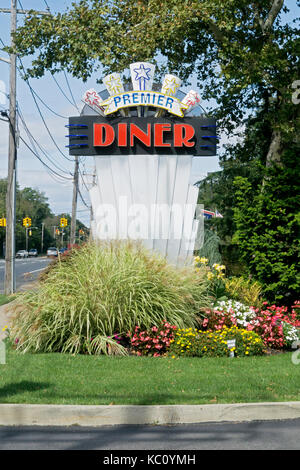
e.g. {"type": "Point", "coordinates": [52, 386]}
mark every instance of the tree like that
{"type": "Point", "coordinates": [29, 203]}
{"type": "Point", "coordinates": [238, 49]}
{"type": "Point", "coordinates": [259, 230]}
{"type": "Point", "coordinates": [267, 229]}
{"type": "Point", "coordinates": [244, 58]}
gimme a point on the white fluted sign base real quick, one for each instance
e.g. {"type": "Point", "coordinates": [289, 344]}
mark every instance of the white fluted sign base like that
{"type": "Point", "coordinates": [147, 198]}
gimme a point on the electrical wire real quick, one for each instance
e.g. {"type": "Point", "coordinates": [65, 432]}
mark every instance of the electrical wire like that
{"type": "Point", "coordinates": [81, 197]}
{"type": "Point", "coordinates": [29, 134]}
{"type": "Point", "coordinates": [42, 162]}
{"type": "Point", "coordinates": [43, 119]}
{"type": "Point", "coordinates": [63, 93]}
{"type": "Point", "coordinates": [46, 106]}
{"type": "Point", "coordinates": [47, 6]}
{"type": "Point", "coordinates": [68, 84]}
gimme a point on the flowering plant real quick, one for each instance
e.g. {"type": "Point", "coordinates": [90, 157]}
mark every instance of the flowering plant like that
{"type": "Point", "coordinates": [154, 342]}
{"type": "Point", "coordinates": [215, 274]}
{"type": "Point", "coordinates": [276, 326]}
{"type": "Point", "coordinates": [241, 314]}
{"type": "Point", "coordinates": [192, 342]}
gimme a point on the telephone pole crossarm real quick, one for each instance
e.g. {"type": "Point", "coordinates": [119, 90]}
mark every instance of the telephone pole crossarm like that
{"type": "Point", "coordinates": [25, 12]}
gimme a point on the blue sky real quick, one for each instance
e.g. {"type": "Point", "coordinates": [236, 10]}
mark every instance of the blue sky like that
{"type": "Point", "coordinates": [30, 171]}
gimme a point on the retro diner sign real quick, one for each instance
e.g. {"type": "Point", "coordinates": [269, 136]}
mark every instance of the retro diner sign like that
{"type": "Point", "coordinates": [141, 120]}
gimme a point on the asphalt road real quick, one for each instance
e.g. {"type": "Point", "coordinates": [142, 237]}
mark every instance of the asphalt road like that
{"type": "Point", "coordinates": [254, 435]}
{"type": "Point", "coordinates": [27, 270]}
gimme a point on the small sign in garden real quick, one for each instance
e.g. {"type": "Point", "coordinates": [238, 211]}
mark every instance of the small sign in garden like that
{"type": "Point", "coordinates": [231, 347]}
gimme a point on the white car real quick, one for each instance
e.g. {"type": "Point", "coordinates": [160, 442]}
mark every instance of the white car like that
{"type": "Point", "coordinates": [52, 251]}
{"type": "Point", "coordinates": [22, 254]}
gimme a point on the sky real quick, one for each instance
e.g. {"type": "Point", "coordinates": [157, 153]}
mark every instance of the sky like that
{"type": "Point", "coordinates": [59, 97]}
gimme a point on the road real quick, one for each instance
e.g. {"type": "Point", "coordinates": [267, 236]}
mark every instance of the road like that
{"type": "Point", "coordinates": [27, 270]}
{"type": "Point", "coordinates": [254, 435]}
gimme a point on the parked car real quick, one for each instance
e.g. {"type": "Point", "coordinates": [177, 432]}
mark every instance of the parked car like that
{"type": "Point", "coordinates": [52, 251]}
{"type": "Point", "coordinates": [22, 254]}
{"type": "Point", "coordinates": [32, 252]}
{"type": "Point", "coordinates": [62, 250]}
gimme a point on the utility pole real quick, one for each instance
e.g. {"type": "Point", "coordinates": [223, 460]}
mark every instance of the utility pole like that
{"type": "Point", "coordinates": [26, 238]}
{"type": "Point", "coordinates": [74, 202]}
{"type": "Point", "coordinates": [42, 241]}
{"type": "Point", "coordinates": [10, 283]}
{"type": "Point", "coordinates": [10, 277]}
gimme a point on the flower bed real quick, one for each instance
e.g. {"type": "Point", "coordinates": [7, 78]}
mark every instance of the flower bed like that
{"type": "Point", "coordinates": [154, 342]}
{"type": "Point", "coordinates": [192, 342]}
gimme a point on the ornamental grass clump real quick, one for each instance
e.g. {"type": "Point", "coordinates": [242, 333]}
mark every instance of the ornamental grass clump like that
{"type": "Point", "coordinates": [103, 290]}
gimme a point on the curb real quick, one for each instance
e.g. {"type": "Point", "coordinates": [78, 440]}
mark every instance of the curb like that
{"type": "Point", "coordinates": [89, 415]}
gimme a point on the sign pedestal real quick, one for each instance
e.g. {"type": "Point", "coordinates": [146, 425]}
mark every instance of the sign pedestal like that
{"type": "Point", "coordinates": [147, 198]}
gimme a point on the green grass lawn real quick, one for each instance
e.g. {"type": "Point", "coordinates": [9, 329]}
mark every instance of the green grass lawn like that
{"type": "Point", "coordinates": [91, 380]}
{"type": "Point", "coordinates": [4, 299]}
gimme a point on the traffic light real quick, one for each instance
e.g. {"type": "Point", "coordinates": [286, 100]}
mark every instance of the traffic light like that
{"type": "Point", "coordinates": [3, 222]}
{"type": "Point", "coordinates": [57, 231]}
{"type": "Point", "coordinates": [30, 233]}
{"type": "Point", "coordinates": [27, 222]}
{"type": "Point", "coordinates": [63, 222]}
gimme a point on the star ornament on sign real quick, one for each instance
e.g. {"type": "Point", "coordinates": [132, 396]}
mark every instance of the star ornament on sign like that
{"type": "Point", "coordinates": [92, 98]}
{"type": "Point", "coordinates": [142, 75]}
{"type": "Point", "coordinates": [114, 85]}
{"type": "Point", "coordinates": [170, 86]}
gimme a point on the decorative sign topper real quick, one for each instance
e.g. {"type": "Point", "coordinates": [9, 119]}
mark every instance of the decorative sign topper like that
{"type": "Point", "coordinates": [118, 130]}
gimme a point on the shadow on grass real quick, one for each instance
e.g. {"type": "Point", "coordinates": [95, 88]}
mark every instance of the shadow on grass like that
{"type": "Point", "coordinates": [16, 388]}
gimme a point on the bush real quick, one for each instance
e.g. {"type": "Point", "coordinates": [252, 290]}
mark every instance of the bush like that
{"type": "Point", "coordinates": [191, 342]}
{"type": "Point", "coordinates": [267, 228]}
{"type": "Point", "coordinates": [276, 326]}
{"type": "Point", "coordinates": [101, 290]}
{"type": "Point", "coordinates": [153, 342]}
{"type": "Point", "coordinates": [244, 290]}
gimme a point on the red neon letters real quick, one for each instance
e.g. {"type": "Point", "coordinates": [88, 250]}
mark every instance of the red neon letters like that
{"type": "Point", "coordinates": [157, 134]}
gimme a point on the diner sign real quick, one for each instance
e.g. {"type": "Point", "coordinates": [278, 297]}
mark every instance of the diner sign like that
{"type": "Point", "coordinates": [139, 120]}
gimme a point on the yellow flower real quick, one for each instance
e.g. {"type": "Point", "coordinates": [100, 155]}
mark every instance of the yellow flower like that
{"type": "Point", "coordinates": [210, 275]}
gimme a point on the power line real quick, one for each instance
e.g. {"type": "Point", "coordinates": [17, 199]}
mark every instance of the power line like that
{"type": "Point", "coordinates": [81, 197]}
{"type": "Point", "coordinates": [42, 162]}
{"type": "Point", "coordinates": [68, 84]}
{"type": "Point", "coordinates": [45, 104]}
{"type": "Point", "coordinates": [43, 119]}
{"type": "Point", "coordinates": [63, 93]}
{"type": "Point", "coordinates": [47, 6]}
{"type": "Point", "coordinates": [36, 142]}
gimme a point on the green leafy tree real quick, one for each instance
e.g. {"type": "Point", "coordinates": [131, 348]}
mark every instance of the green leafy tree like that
{"type": "Point", "coordinates": [29, 203]}
{"type": "Point", "coordinates": [239, 50]}
{"type": "Point", "coordinates": [267, 229]}
{"type": "Point", "coordinates": [244, 58]}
